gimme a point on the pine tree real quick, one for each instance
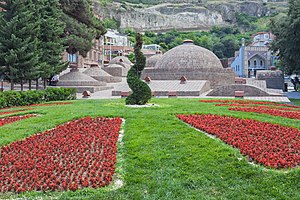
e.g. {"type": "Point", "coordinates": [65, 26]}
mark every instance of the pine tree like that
{"type": "Point", "coordinates": [81, 25]}
{"type": "Point", "coordinates": [18, 44]}
{"type": "Point", "coordinates": [50, 36]}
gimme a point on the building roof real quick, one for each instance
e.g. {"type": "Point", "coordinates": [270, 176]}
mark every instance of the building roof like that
{"type": "Point", "coordinates": [150, 62]}
{"type": "Point", "coordinates": [96, 71]}
{"type": "Point", "coordinates": [189, 56]}
{"type": "Point", "coordinates": [120, 59]}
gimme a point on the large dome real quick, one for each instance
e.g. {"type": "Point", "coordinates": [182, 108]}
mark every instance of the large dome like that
{"type": "Point", "coordinates": [189, 56]}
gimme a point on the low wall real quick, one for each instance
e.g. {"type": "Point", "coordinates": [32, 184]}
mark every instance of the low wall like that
{"type": "Point", "coordinates": [216, 77]}
{"type": "Point", "coordinates": [228, 90]}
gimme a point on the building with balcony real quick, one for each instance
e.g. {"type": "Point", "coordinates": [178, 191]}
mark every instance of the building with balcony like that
{"type": "Point", "coordinates": [257, 56]}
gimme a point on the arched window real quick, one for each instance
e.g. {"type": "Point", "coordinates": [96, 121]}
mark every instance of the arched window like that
{"type": "Point", "coordinates": [261, 63]}
{"type": "Point", "coordinates": [254, 62]}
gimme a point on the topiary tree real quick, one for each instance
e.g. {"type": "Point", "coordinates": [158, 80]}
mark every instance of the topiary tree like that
{"type": "Point", "coordinates": [141, 91]}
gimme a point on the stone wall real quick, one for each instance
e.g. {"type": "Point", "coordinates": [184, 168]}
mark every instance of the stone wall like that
{"type": "Point", "coordinates": [228, 90]}
{"type": "Point", "coordinates": [216, 77]}
{"type": "Point", "coordinates": [274, 78]}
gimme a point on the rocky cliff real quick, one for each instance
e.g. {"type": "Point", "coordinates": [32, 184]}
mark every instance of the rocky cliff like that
{"type": "Point", "coordinates": [183, 15]}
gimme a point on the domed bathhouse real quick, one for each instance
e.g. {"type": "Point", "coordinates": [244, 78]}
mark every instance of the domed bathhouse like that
{"type": "Point", "coordinates": [193, 62]}
{"type": "Point", "coordinates": [99, 74]}
{"type": "Point", "coordinates": [151, 61]}
{"type": "Point", "coordinates": [191, 70]}
{"type": "Point", "coordinates": [81, 81]}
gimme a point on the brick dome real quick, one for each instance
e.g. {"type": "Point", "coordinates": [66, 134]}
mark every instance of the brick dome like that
{"type": "Point", "coordinates": [150, 62]}
{"type": "Point", "coordinates": [120, 59]}
{"type": "Point", "coordinates": [188, 56]}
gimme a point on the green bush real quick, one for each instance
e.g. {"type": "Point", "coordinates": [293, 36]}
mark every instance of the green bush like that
{"type": "Point", "coordinates": [59, 94]}
{"type": "Point", "coordinates": [141, 93]}
{"type": "Point", "coordinates": [23, 98]}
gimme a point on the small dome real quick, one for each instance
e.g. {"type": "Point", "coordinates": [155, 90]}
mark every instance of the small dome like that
{"type": "Point", "coordinates": [189, 56]}
{"type": "Point", "coordinates": [115, 65]}
{"type": "Point", "coordinates": [150, 62]}
{"type": "Point", "coordinates": [120, 59]}
{"type": "Point", "coordinates": [95, 71]}
{"type": "Point", "coordinates": [76, 78]}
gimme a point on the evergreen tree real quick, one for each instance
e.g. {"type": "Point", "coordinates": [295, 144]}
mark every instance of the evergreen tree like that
{"type": "Point", "coordinates": [18, 44]}
{"type": "Point", "coordinates": [141, 91]}
{"type": "Point", "coordinates": [50, 36]}
{"type": "Point", "coordinates": [287, 41]}
{"type": "Point", "coordinates": [81, 25]}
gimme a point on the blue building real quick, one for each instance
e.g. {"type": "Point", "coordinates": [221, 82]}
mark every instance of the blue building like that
{"type": "Point", "coordinates": [257, 56]}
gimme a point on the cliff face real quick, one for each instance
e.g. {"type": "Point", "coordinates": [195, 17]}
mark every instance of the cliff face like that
{"type": "Point", "coordinates": [191, 15]}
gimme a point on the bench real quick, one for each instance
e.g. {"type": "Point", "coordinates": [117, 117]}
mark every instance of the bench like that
{"type": "Point", "coordinates": [239, 94]}
{"type": "Point", "coordinates": [125, 94]}
{"type": "Point", "coordinates": [172, 94]}
{"type": "Point", "coordinates": [239, 80]}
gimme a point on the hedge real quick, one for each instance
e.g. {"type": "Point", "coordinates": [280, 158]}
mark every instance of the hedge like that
{"type": "Point", "coordinates": [24, 98]}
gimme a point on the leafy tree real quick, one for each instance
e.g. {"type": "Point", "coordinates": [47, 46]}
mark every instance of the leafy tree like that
{"type": "Point", "coordinates": [287, 42]}
{"type": "Point", "coordinates": [245, 21]}
{"type": "Point", "coordinates": [111, 23]}
{"type": "Point", "coordinates": [231, 45]}
{"type": "Point", "coordinates": [141, 91]}
{"type": "Point", "coordinates": [81, 25]}
{"type": "Point", "coordinates": [218, 49]}
{"type": "Point", "coordinates": [18, 43]}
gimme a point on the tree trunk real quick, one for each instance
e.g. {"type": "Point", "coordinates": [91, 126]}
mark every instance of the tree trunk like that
{"type": "Point", "coordinates": [22, 85]}
{"type": "Point", "coordinates": [45, 83]}
{"type": "Point", "coordinates": [37, 84]}
{"type": "Point", "coordinates": [12, 84]}
{"type": "Point", "coordinates": [29, 84]}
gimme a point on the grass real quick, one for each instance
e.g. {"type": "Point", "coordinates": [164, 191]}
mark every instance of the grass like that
{"type": "Point", "coordinates": [163, 158]}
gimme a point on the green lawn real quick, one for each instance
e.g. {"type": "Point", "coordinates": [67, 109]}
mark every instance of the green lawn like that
{"type": "Point", "coordinates": [163, 158]}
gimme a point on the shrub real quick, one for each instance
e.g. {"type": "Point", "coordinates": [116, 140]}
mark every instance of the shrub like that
{"type": "Point", "coordinates": [59, 94]}
{"type": "Point", "coordinates": [141, 91]}
{"type": "Point", "coordinates": [21, 98]}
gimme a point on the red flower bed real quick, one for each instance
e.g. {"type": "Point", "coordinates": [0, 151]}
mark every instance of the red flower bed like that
{"type": "Point", "coordinates": [52, 104]}
{"type": "Point", "coordinates": [42, 104]}
{"type": "Point", "coordinates": [246, 102]}
{"type": "Point", "coordinates": [270, 108]}
{"type": "Point", "coordinates": [9, 120]}
{"type": "Point", "coordinates": [274, 112]}
{"type": "Point", "coordinates": [270, 144]}
{"type": "Point", "coordinates": [14, 111]}
{"type": "Point", "coordinates": [78, 154]}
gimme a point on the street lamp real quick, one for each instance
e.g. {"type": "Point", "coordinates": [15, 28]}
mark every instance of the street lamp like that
{"type": "Point", "coordinates": [2, 80]}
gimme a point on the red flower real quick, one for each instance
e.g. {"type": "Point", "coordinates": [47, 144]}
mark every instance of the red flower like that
{"type": "Point", "coordinates": [270, 144]}
{"type": "Point", "coordinates": [66, 157]}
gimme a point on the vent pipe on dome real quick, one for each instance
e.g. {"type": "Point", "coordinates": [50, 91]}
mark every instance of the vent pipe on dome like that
{"type": "Point", "coordinates": [188, 42]}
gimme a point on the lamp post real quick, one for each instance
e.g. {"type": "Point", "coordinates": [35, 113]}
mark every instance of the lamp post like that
{"type": "Point", "coordinates": [2, 79]}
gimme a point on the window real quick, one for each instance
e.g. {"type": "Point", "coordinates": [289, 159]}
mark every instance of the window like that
{"type": "Point", "coordinates": [73, 58]}
{"type": "Point", "coordinates": [248, 62]}
{"type": "Point", "coordinates": [254, 63]}
{"type": "Point", "coordinates": [261, 63]}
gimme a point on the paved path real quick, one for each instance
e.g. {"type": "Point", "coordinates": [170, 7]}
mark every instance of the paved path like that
{"type": "Point", "coordinates": [107, 94]}
{"type": "Point", "coordinates": [293, 95]}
